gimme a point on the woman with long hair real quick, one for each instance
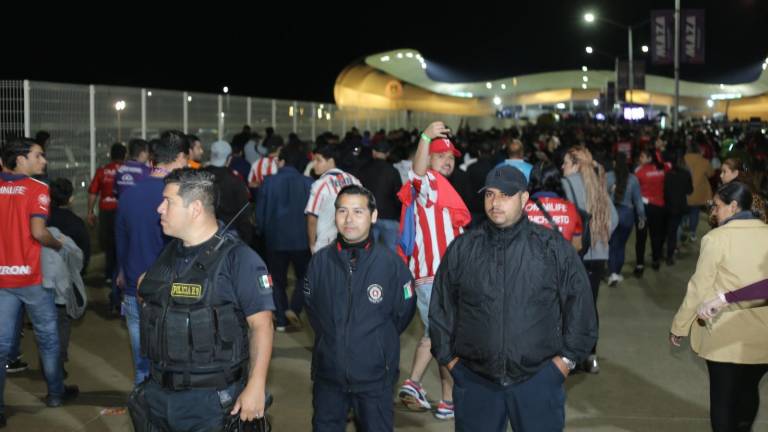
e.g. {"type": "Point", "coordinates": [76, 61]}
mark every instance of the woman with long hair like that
{"type": "Point", "coordinates": [624, 190]}
{"type": "Point", "coordinates": [584, 184]}
{"type": "Point", "coordinates": [734, 344]}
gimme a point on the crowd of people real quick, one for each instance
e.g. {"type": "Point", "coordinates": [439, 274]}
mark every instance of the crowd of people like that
{"type": "Point", "coordinates": [457, 225]}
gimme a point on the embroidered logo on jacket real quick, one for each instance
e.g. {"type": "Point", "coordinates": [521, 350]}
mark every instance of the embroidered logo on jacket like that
{"type": "Point", "coordinates": [375, 293]}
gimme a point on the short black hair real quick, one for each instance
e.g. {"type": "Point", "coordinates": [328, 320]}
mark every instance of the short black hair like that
{"type": "Point", "coordinates": [137, 146]}
{"type": "Point", "coordinates": [327, 152]}
{"type": "Point", "coordinates": [292, 156]}
{"type": "Point", "coordinates": [117, 152]}
{"type": "Point", "coordinates": [168, 147]}
{"type": "Point", "coordinates": [42, 137]}
{"type": "Point", "coordinates": [14, 148]}
{"type": "Point", "coordinates": [61, 191]}
{"type": "Point", "coordinates": [194, 185]}
{"type": "Point", "coordinates": [356, 190]}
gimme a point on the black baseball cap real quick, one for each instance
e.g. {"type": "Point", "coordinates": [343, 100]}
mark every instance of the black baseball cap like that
{"type": "Point", "coordinates": [507, 179]}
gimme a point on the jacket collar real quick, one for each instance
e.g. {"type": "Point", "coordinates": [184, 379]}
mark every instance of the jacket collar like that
{"type": "Point", "coordinates": [9, 176]}
{"type": "Point", "coordinates": [742, 215]}
{"type": "Point", "coordinates": [506, 235]}
{"type": "Point", "coordinates": [353, 252]}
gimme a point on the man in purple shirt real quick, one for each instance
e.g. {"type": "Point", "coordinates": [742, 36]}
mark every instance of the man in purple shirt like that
{"type": "Point", "coordinates": [139, 236]}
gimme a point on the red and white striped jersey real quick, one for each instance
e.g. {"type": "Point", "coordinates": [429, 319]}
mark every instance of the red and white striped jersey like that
{"type": "Point", "coordinates": [21, 198]}
{"type": "Point", "coordinates": [321, 198]}
{"type": "Point", "coordinates": [263, 167]}
{"type": "Point", "coordinates": [435, 229]}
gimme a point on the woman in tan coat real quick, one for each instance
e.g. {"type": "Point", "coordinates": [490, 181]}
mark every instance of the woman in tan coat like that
{"type": "Point", "coordinates": [701, 171]}
{"type": "Point", "coordinates": [734, 344]}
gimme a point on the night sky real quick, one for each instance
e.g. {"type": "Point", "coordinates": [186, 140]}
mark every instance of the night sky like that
{"type": "Point", "coordinates": [298, 53]}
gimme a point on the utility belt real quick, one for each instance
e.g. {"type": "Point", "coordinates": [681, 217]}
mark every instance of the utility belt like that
{"type": "Point", "coordinates": [186, 380]}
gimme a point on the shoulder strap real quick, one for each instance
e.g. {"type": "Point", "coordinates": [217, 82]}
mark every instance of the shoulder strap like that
{"type": "Point", "coordinates": [546, 215]}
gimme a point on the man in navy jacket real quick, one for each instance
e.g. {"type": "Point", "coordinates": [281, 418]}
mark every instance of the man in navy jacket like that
{"type": "Point", "coordinates": [280, 221]}
{"type": "Point", "coordinates": [359, 297]}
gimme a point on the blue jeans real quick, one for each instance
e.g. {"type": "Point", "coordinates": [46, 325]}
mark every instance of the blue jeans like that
{"type": "Point", "coordinates": [42, 313]}
{"type": "Point", "coordinates": [618, 243]}
{"type": "Point", "coordinates": [386, 231]}
{"type": "Point", "coordinates": [15, 351]}
{"type": "Point", "coordinates": [536, 404]}
{"type": "Point", "coordinates": [693, 219]}
{"type": "Point", "coordinates": [140, 363]}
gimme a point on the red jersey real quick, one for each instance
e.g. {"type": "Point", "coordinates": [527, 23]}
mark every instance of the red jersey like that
{"type": "Point", "coordinates": [21, 198]}
{"type": "Point", "coordinates": [563, 212]}
{"type": "Point", "coordinates": [651, 181]}
{"type": "Point", "coordinates": [103, 184]}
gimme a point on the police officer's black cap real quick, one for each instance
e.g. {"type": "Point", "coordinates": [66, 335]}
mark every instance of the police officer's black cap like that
{"type": "Point", "coordinates": [507, 179]}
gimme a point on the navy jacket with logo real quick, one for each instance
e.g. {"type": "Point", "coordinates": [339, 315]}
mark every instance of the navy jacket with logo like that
{"type": "Point", "coordinates": [358, 309]}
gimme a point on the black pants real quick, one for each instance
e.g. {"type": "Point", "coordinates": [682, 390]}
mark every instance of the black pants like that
{"type": "Point", "coordinates": [65, 330]}
{"type": "Point", "coordinates": [107, 241]}
{"type": "Point", "coordinates": [374, 410]}
{"type": "Point", "coordinates": [278, 262]}
{"type": "Point", "coordinates": [595, 271]}
{"type": "Point", "coordinates": [536, 404]}
{"type": "Point", "coordinates": [734, 396]}
{"type": "Point", "coordinates": [193, 409]}
{"type": "Point", "coordinates": [656, 224]}
{"type": "Point", "coordinates": [673, 223]}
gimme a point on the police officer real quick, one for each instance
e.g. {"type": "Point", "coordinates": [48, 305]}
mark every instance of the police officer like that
{"type": "Point", "coordinates": [206, 319]}
{"type": "Point", "coordinates": [359, 298]}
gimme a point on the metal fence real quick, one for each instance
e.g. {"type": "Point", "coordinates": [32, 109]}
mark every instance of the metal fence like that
{"type": "Point", "coordinates": [85, 120]}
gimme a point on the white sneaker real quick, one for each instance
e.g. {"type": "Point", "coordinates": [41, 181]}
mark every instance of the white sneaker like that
{"type": "Point", "coordinates": [614, 279]}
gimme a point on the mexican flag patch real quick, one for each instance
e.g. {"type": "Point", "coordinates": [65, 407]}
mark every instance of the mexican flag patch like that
{"type": "Point", "coordinates": [265, 281]}
{"type": "Point", "coordinates": [408, 290]}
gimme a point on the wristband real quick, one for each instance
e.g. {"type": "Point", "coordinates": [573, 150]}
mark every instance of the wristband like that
{"type": "Point", "coordinates": [426, 138]}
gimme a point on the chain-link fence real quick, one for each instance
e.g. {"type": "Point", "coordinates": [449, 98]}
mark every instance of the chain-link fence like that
{"type": "Point", "coordinates": [84, 121]}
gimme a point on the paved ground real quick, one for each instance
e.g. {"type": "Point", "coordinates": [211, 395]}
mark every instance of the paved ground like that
{"type": "Point", "coordinates": [644, 385]}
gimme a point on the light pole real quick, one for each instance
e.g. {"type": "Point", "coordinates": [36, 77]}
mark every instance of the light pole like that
{"type": "Point", "coordinates": [119, 107]}
{"type": "Point", "coordinates": [591, 50]}
{"type": "Point", "coordinates": [590, 17]}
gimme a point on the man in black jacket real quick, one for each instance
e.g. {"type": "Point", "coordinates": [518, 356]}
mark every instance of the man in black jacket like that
{"type": "Point", "coordinates": [359, 298]}
{"type": "Point", "coordinates": [511, 314]}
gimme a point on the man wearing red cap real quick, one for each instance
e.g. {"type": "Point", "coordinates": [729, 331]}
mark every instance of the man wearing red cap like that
{"type": "Point", "coordinates": [433, 215]}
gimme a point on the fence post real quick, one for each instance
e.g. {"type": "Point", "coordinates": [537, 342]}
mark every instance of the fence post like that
{"type": "Point", "coordinates": [274, 115]}
{"type": "Point", "coordinates": [27, 119]}
{"type": "Point", "coordinates": [92, 104]}
{"type": "Point", "coordinates": [313, 115]}
{"type": "Point", "coordinates": [221, 117]}
{"type": "Point", "coordinates": [248, 110]}
{"type": "Point", "coordinates": [185, 102]}
{"type": "Point", "coordinates": [143, 114]}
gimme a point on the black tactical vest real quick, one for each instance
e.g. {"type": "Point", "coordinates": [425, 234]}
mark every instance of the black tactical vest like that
{"type": "Point", "coordinates": [191, 339]}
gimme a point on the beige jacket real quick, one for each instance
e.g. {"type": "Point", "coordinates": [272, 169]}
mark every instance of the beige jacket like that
{"type": "Point", "coordinates": [701, 171]}
{"type": "Point", "coordinates": [732, 256]}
